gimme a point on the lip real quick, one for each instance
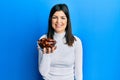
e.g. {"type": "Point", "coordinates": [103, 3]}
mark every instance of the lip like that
{"type": "Point", "coordinates": [58, 25]}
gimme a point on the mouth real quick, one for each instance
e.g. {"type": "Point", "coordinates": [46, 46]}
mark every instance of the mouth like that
{"type": "Point", "coordinates": [58, 25]}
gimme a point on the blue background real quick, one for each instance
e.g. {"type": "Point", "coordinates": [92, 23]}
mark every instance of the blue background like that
{"type": "Point", "coordinates": [96, 22]}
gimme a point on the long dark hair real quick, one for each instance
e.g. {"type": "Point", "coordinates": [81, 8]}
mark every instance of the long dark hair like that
{"type": "Point", "coordinates": [69, 36]}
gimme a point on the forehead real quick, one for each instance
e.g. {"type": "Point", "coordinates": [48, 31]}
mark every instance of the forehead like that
{"type": "Point", "coordinates": [59, 13]}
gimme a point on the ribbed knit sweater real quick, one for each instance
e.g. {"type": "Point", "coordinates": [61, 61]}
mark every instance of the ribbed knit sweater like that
{"type": "Point", "coordinates": [65, 63]}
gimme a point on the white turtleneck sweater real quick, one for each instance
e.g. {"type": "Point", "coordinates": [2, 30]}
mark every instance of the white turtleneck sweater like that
{"type": "Point", "coordinates": [65, 63]}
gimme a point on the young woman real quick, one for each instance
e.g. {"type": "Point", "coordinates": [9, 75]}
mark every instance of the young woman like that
{"type": "Point", "coordinates": [65, 61]}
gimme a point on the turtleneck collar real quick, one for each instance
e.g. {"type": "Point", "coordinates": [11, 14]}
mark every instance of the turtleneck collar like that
{"type": "Point", "coordinates": [59, 35]}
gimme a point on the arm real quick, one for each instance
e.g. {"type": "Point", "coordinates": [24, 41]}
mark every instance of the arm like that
{"type": "Point", "coordinates": [78, 60]}
{"type": "Point", "coordinates": [43, 62]}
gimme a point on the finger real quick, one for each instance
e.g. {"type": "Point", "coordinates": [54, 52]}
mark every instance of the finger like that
{"type": "Point", "coordinates": [49, 50]}
{"type": "Point", "coordinates": [53, 48]}
{"type": "Point", "coordinates": [44, 50]}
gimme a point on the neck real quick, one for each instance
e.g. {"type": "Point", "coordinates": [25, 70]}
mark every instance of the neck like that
{"type": "Point", "coordinates": [60, 35]}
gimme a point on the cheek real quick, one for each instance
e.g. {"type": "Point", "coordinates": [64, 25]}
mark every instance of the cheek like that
{"type": "Point", "coordinates": [53, 22]}
{"type": "Point", "coordinates": [65, 23]}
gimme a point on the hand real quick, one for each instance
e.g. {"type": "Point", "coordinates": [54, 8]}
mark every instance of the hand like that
{"type": "Point", "coordinates": [49, 50]}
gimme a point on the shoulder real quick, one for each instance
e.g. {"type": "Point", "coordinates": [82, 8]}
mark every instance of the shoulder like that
{"type": "Point", "coordinates": [43, 36]}
{"type": "Point", "coordinates": [77, 40]}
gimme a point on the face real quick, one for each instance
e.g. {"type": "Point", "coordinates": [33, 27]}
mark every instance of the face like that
{"type": "Point", "coordinates": [59, 21]}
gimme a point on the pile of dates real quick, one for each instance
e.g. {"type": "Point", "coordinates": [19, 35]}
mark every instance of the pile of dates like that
{"type": "Point", "coordinates": [46, 43]}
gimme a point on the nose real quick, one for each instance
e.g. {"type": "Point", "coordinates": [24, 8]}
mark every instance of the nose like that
{"type": "Point", "coordinates": [58, 20]}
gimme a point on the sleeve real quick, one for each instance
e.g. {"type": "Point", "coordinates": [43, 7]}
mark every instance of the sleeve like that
{"type": "Point", "coordinates": [78, 60]}
{"type": "Point", "coordinates": [43, 62]}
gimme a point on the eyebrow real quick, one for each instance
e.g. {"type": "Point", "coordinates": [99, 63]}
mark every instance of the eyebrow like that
{"type": "Point", "coordinates": [61, 16]}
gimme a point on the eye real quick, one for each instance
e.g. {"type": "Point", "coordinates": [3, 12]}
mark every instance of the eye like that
{"type": "Point", "coordinates": [63, 17]}
{"type": "Point", "coordinates": [54, 17]}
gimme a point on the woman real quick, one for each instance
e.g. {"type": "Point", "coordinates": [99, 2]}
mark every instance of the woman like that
{"type": "Point", "coordinates": [65, 61]}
